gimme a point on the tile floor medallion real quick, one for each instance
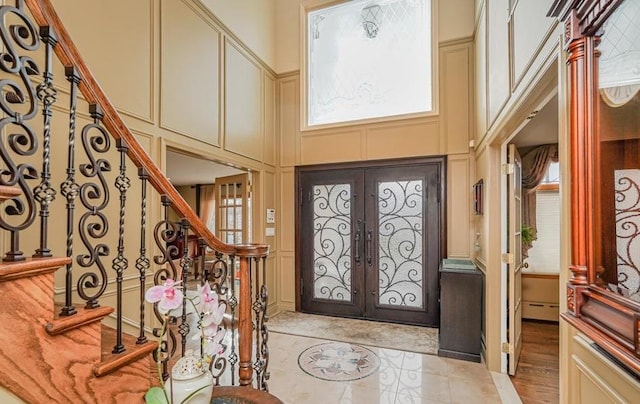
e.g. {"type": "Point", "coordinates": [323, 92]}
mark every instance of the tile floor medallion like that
{"type": "Point", "coordinates": [338, 361]}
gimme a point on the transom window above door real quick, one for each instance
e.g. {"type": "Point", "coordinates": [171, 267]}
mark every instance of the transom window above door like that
{"type": "Point", "coordinates": [366, 59]}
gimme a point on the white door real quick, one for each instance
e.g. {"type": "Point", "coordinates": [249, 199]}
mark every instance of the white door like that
{"type": "Point", "coordinates": [232, 209]}
{"type": "Point", "coordinates": [514, 260]}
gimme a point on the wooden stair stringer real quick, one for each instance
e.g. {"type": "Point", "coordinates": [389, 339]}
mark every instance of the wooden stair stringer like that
{"type": "Point", "coordinates": [39, 367]}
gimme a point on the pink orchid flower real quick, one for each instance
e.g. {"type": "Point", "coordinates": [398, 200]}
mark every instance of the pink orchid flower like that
{"type": "Point", "coordinates": [208, 299]}
{"type": "Point", "coordinates": [212, 343]}
{"type": "Point", "coordinates": [168, 295]}
{"type": "Point", "coordinates": [214, 316]}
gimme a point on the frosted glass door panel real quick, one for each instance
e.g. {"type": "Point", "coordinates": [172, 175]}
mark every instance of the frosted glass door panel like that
{"type": "Point", "coordinates": [332, 242]}
{"type": "Point", "coordinates": [400, 255]}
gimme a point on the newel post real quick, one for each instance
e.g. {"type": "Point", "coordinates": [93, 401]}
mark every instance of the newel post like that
{"type": "Point", "coordinates": [249, 255]}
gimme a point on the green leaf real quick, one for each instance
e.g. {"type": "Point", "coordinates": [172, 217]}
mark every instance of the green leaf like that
{"type": "Point", "coordinates": [156, 395]}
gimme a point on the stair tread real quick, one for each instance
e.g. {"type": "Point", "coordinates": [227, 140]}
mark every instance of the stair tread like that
{"type": "Point", "coordinates": [31, 267]}
{"type": "Point", "coordinates": [133, 351]}
{"type": "Point", "coordinates": [83, 316]}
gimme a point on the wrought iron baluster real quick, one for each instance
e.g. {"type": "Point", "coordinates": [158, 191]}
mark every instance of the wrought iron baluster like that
{"type": "Point", "coordinates": [95, 197]}
{"type": "Point", "coordinates": [19, 104]}
{"type": "Point", "coordinates": [254, 270]}
{"type": "Point", "coordinates": [70, 188]}
{"type": "Point", "coordinates": [165, 233]}
{"type": "Point", "coordinates": [202, 245]}
{"type": "Point", "coordinates": [264, 347]}
{"type": "Point", "coordinates": [142, 263]}
{"type": "Point", "coordinates": [120, 262]}
{"type": "Point", "coordinates": [44, 193]}
{"type": "Point", "coordinates": [233, 304]}
{"type": "Point", "coordinates": [217, 278]}
{"type": "Point", "coordinates": [185, 262]}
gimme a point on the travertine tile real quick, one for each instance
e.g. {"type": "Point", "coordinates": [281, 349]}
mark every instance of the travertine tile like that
{"type": "Point", "coordinates": [424, 385]}
{"type": "Point", "coordinates": [425, 363]}
{"type": "Point", "coordinates": [359, 395]}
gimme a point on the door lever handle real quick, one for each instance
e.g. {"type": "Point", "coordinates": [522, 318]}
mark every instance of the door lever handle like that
{"type": "Point", "coordinates": [369, 241]}
{"type": "Point", "coordinates": [356, 241]}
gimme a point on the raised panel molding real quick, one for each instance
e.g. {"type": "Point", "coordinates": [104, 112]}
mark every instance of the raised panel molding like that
{"type": "Point", "coordinates": [481, 78]}
{"type": "Point", "coordinates": [190, 72]}
{"type": "Point", "coordinates": [407, 139]}
{"type": "Point", "coordinates": [600, 380]}
{"type": "Point", "coordinates": [243, 105]}
{"type": "Point", "coordinates": [530, 29]}
{"type": "Point", "coordinates": [288, 119]}
{"type": "Point", "coordinates": [287, 279]}
{"type": "Point", "coordinates": [269, 120]}
{"type": "Point", "coordinates": [286, 220]}
{"type": "Point", "coordinates": [129, 78]}
{"type": "Point", "coordinates": [497, 48]}
{"type": "Point", "coordinates": [331, 147]}
{"type": "Point", "coordinates": [456, 97]}
{"type": "Point", "coordinates": [459, 210]}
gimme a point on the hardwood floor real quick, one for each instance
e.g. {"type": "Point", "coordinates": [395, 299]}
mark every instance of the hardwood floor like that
{"type": "Point", "coordinates": [537, 377]}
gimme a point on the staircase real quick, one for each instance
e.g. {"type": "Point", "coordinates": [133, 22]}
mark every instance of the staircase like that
{"type": "Point", "coordinates": [75, 327]}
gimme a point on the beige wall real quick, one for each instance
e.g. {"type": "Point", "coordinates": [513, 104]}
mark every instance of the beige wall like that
{"type": "Point", "coordinates": [260, 34]}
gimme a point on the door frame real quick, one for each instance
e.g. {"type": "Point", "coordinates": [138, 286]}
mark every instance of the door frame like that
{"type": "Point", "coordinates": [442, 160]}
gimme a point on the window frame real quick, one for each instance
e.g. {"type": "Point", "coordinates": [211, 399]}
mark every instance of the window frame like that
{"type": "Point", "coordinates": [313, 5]}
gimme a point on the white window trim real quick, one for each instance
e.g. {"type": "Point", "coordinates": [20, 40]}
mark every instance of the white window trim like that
{"type": "Point", "coordinates": [313, 5]}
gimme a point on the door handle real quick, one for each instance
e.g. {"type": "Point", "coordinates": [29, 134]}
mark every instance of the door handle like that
{"type": "Point", "coordinates": [356, 241]}
{"type": "Point", "coordinates": [369, 241]}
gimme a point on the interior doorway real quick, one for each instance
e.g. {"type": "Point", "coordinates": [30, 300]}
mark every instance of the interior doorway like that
{"type": "Point", "coordinates": [532, 303]}
{"type": "Point", "coordinates": [217, 192]}
{"type": "Point", "coordinates": [370, 238]}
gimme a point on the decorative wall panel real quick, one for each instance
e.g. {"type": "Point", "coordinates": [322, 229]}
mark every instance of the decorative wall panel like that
{"type": "Point", "coordinates": [269, 120]}
{"type": "Point", "coordinates": [403, 140]}
{"type": "Point", "coordinates": [189, 74]}
{"type": "Point", "coordinates": [455, 99]}
{"type": "Point", "coordinates": [243, 104]}
{"type": "Point", "coordinates": [129, 79]}
{"type": "Point", "coordinates": [330, 148]}
{"type": "Point", "coordinates": [498, 89]}
{"type": "Point", "coordinates": [289, 124]}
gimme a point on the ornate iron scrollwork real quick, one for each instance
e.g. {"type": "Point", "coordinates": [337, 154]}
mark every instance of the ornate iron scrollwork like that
{"type": "Point", "coordinates": [94, 225]}
{"type": "Point", "coordinates": [20, 104]}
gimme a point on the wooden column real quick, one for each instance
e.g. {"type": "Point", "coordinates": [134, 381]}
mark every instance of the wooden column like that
{"type": "Point", "coordinates": [247, 254]}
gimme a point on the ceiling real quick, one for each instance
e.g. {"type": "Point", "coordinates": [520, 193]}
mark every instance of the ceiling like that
{"type": "Point", "coordinates": [542, 128]}
{"type": "Point", "coordinates": [183, 169]}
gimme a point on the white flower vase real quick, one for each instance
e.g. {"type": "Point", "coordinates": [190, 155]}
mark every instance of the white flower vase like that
{"type": "Point", "coordinates": [189, 374]}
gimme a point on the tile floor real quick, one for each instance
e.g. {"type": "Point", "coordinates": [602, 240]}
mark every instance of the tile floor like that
{"type": "Point", "coordinates": [403, 377]}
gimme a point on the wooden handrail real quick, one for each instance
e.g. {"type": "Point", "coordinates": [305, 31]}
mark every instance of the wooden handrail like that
{"type": "Point", "coordinates": [45, 15]}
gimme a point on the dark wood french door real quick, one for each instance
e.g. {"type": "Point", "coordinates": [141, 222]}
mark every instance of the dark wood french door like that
{"type": "Point", "coordinates": [370, 240]}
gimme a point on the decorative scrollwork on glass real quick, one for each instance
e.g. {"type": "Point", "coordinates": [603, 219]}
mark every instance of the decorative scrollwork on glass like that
{"type": "Point", "coordinates": [19, 103]}
{"type": "Point", "coordinates": [94, 196]}
{"type": "Point", "coordinates": [332, 242]}
{"type": "Point", "coordinates": [400, 255]}
{"type": "Point", "coordinates": [627, 205]}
